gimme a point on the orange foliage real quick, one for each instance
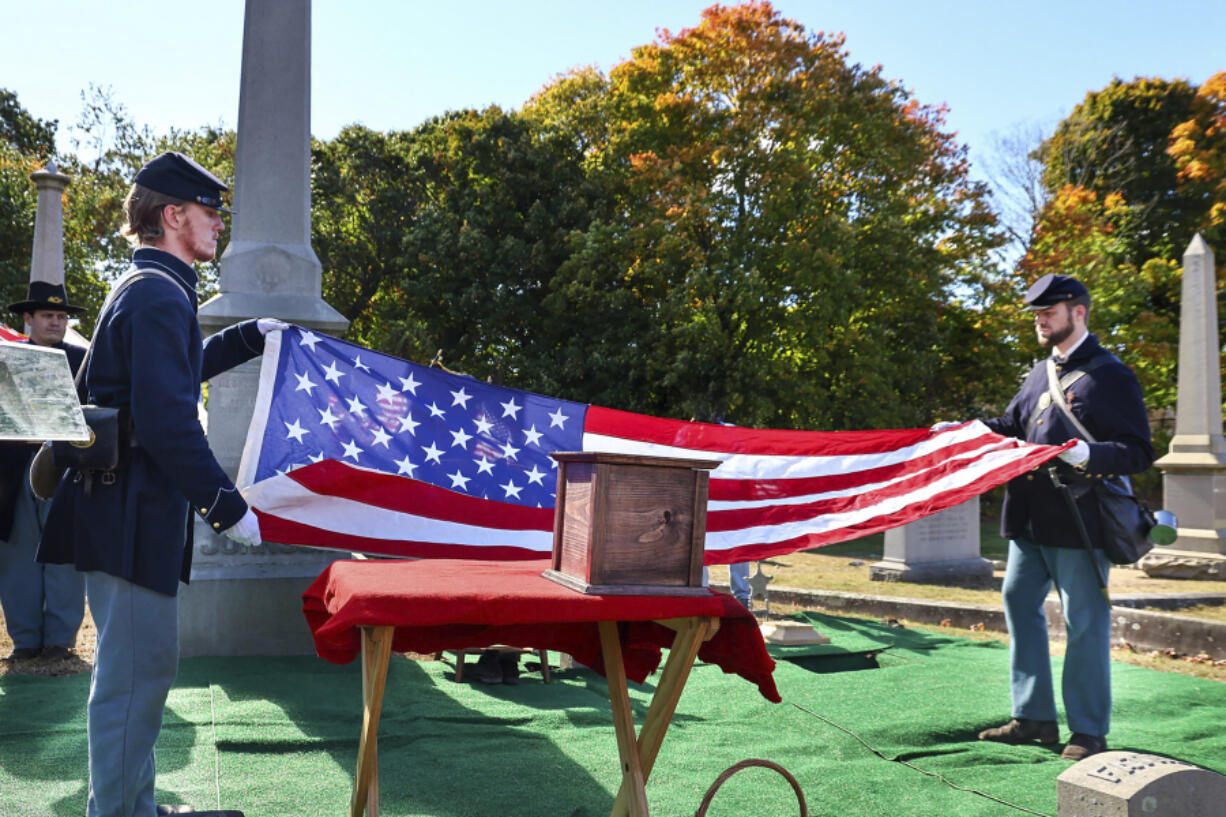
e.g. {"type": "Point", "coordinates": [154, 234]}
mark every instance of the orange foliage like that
{"type": "Point", "coordinates": [1198, 146]}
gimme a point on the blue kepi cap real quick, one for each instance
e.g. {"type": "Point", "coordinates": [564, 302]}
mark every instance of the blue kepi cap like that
{"type": "Point", "coordinates": [173, 174]}
{"type": "Point", "coordinates": [1052, 289]}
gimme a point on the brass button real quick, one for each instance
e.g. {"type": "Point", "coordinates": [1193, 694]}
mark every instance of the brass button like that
{"type": "Point", "coordinates": [1030, 476]}
{"type": "Point", "coordinates": [217, 524]}
{"type": "Point", "coordinates": [204, 510]}
{"type": "Point", "coordinates": [1039, 421]}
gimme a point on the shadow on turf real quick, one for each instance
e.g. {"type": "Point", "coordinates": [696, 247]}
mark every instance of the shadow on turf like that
{"type": "Point", "coordinates": [43, 742]}
{"type": "Point", "coordinates": [436, 755]}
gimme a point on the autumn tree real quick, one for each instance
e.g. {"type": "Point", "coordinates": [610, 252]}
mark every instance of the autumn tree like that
{"type": "Point", "coordinates": [1115, 141]}
{"type": "Point", "coordinates": [788, 234]}
{"type": "Point", "coordinates": [1198, 148]}
{"type": "Point", "coordinates": [1134, 172]}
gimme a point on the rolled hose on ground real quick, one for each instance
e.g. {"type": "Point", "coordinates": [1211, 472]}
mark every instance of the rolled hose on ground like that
{"type": "Point", "coordinates": [745, 764]}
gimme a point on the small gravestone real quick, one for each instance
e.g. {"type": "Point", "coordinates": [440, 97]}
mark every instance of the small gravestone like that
{"type": "Point", "coordinates": [939, 549]}
{"type": "Point", "coordinates": [758, 590]}
{"type": "Point", "coordinates": [1127, 784]}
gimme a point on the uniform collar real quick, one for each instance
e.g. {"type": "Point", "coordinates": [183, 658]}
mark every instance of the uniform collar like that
{"type": "Point", "coordinates": [1055, 352]}
{"type": "Point", "coordinates": [153, 257]}
{"type": "Point", "coordinates": [160, 259]}
{"type": "Point", "coordinates": [1085, 349]}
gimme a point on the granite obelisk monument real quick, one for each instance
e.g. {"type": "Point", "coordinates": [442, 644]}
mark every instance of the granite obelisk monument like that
{"type": "Point", "coordinates": [247, 601]}
{"type": "Point", "coordinates": [47, 254]}
{"type": "Point", "coordinates": [1194, 468]}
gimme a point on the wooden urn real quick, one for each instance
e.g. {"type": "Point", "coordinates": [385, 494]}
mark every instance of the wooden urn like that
{"type": "Point", "coordinates": [630, 525]}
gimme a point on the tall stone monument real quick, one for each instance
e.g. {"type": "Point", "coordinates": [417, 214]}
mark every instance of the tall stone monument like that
{"type": "Point", "coordinates": [47, 256]}
{"type": "Point", "coordinates": [1194, 469]}
{"type": "Point", "coordinates": [247, 601]}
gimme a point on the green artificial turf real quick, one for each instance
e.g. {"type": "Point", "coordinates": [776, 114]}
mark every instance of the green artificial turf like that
{"type": "Point", "coordinates": [278, 736]}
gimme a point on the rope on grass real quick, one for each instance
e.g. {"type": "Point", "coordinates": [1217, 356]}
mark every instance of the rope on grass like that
{"type": "Point", "coordinates": [745, 764]}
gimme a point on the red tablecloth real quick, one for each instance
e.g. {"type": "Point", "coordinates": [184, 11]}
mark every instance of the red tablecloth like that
{"type": "Point", "coordinates": [441, 604]}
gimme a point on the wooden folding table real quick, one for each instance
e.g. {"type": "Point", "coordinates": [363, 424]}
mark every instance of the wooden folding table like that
{"type": "Point", "coordinates": [374, 608]}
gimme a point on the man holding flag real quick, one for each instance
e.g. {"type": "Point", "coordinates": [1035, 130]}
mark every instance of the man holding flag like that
{"type": "Point", "coordinates": [126, 529]}
{"type": "Point", "coordinates": [1046, 547]}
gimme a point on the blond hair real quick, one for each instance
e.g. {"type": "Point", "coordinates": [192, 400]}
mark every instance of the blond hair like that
{"type": "Point", "coordinates": [143, 208]}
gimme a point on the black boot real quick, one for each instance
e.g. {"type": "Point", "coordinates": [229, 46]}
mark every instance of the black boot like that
{"type": "Point", "coordinates": [1023, 730]}
{"type": "Point", "coordinates": [508, 662]}
{"type": "Point", "coordinates": [488, 669]}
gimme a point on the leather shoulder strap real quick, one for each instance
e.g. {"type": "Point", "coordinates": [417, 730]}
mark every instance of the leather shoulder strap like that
{"type": "Point", "coordinates": [123, 283]}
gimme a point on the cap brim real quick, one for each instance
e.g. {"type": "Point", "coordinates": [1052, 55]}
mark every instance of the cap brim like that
{"type": "Point", "coordinates": [22, 307]}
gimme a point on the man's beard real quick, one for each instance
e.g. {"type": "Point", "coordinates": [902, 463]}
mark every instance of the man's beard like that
{"type": "Point", "coordinates": [1057, 336]}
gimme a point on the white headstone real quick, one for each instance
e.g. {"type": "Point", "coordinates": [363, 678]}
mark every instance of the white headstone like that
{"type": "Point", "coordinates": [941, 548]}
{"type": "Point", "coordinates": [1127, 784]}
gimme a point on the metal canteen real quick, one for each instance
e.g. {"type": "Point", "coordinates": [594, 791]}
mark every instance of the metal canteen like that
{"type": "Point", "coordinates": [1166, 531]}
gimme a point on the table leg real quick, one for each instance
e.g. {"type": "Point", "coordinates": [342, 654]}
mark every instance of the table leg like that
{"type": "Point", "coordinates": [691, 633]}
{"type": "Point", "coordinates": [623, 720]}
{"type": "Point", "coordinates": [376, 651]}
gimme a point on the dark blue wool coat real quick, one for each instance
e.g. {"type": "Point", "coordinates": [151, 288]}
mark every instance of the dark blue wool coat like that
{"type": "Point", "coordinates": [148, 357]}
{"type": "Point", "coordinates": [1108, 402]}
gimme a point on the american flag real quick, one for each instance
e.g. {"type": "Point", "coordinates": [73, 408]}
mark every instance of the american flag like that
{"type": "Point", "coordinates": [8, 333]}
{"type": "Point", "coordinates": [355, 450]}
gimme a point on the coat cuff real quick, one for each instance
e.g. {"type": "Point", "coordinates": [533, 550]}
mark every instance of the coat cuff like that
{"type": "Point", "coordinates": [228, 506]}
{"type": "Point", "coordinates": [249, 331]}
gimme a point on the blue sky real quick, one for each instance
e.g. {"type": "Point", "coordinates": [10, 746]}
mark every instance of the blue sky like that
{"type": "Point", "coordinates": [390, 64]}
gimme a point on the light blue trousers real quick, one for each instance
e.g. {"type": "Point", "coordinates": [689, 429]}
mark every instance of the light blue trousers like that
{"type": "Point", "coordinates": [43, 604]}
{"type": "Point", "coordinates": [738, 581]}
{"type": "Point", "coordinates": [1086, 680]}
{"type": "Point", "coordinates": [134, 667]}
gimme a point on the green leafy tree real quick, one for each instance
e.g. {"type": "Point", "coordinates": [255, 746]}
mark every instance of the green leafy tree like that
{"type": "Point", "coordinates": [26, 143]}
{"type": "Point", "coordinates": [18, 202]}
{"type": "Point", "coordinates": [24, 132]}
{"type": "Point", "coordinates": [442, 242]}
{"type": "Point", "coordinates": [787, 234]}
{"type": "Point", "coordinates": [1135, 309]}
{"type": "Point", "coordinates": [110, 147]}
{"type": "Point", "coordinates": [1115, 141]}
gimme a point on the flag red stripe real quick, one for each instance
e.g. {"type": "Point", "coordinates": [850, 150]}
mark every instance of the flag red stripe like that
{"type": "Point", "coordinates": [812, 541]}
{"type": "Point", "coordinates": [732, 490]}
{"type": "Point", "coordinates": [738, 518]}
{"type": "Point", "coordinates": [737, 440]}
{"type": "Point", "coordinates": [395, 493]}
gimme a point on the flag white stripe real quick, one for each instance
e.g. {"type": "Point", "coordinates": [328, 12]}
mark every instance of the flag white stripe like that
{"type": "Point", "coordinates": [826, 522]}
{"type": "Point", "coordinates": [283, 497]}
{"type": "Point", "coordinates": [777, 466]}
{"type": "Point", "coordinates": [259, 417]}
{"type": "Point", "coordinates": [854, 490]}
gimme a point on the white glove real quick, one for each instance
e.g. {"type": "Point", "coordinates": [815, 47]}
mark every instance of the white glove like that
{"type": "Point", "coordinates": [266, 325]}
{"type": "Point", "coordinates": [245, 531]}
{"type": "Point", "coordinates": [1078, 455]}
{"type": "Point", "coordinates": [944, 424]}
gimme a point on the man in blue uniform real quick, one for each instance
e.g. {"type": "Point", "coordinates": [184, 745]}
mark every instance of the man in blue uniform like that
{"type": "Point", "coordinates": [1046, 547]}
{"type": "Point", "coordinates": [43, 604]}
{"type": "Point", "coordinates": [128, 529]}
